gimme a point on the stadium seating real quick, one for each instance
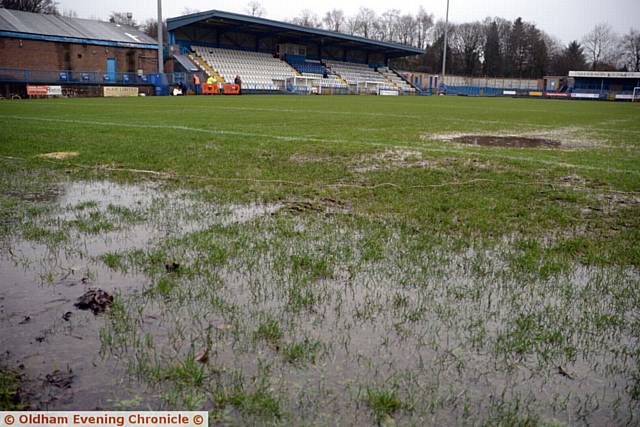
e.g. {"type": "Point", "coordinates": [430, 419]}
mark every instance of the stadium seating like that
{"type": "Point", "coordinates": [315, 69]}
{"type": "Point", "coordinates": [257, 70]}
{"type": "Point", "coordinates": [357, 73]}
{"type": "Point", "coordinates": [305, 66]}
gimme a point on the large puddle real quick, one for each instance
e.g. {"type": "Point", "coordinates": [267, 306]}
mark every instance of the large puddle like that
{"type": "Point", "coordinates": [56, 346]}
{"type": "Point", "coordinates": [256, 300]}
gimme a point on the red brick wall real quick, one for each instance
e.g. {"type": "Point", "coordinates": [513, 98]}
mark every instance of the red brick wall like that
{"type": "Point", "coordinates": [44, 55]}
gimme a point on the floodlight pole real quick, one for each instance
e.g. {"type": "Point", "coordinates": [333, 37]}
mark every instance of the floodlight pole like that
{"type": "Point", "coordinates": [446, 40]}
{"type": "Point", "coordinates": [160, 47]}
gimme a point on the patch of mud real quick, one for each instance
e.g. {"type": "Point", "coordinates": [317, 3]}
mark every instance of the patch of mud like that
{"type": "Point", "coordinates": [507, 141]}
{"type": "Point", "coordinates": [575, 180]}
{"type": "Point", "coordinates": [59, 155]}
{"type": "Point", "coordinates": [608, 201]}
{"type": "Point", "coordinates": [614, 201]}
{"type": "Point", "coordinates": [325, 205]}
{"type": "Point", "coordinates": [562, 138]}
{"type": "Point", "coordinates": [96, 300]}
{"type": "Point", "coordinates": [241, 214]}
{"type": "Point", "coordinates": [309, 158]}
{"type": "Point", "coordinates": [390, 160]}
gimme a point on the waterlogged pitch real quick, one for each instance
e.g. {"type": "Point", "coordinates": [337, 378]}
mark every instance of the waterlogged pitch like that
{"type": "Point", "coordinates": [323, 260]}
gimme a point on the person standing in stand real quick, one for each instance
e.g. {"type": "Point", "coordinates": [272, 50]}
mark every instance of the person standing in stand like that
{"type": "Point", "coordinates": [196, 83]}
{"type": "Point", "coordinates": [238, 81]}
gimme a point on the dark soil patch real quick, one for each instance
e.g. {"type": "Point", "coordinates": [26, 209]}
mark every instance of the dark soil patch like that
{"type": "Point", "coordinates": [507, 141]}
{"type": "Point", "coordinates": [96, 300]}
{"type": "Point", "coordinates": [60, 379]}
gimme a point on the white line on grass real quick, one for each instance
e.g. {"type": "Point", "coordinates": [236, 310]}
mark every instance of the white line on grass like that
{"type": "Point", "coordinates": [391, 144]}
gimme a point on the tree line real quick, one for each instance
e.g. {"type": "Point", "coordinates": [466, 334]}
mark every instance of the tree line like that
{"type": "Point", "coordinates": [493, 47]}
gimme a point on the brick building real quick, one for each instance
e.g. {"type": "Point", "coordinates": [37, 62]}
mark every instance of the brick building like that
{"type": "Point", "coordinates": [36, 48]}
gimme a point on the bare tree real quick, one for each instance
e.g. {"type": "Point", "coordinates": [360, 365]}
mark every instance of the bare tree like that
{"type": "Point", "coordinates": [598, 45]}
{"type": "Point", "coordinates": [69, 13]}
{"type": "Point", "coordinates": [307, 19]}
{"type": "Point", "coordinates": [424, 22]}
{"type": "Point", "coordinates": [351, 25]}
{"type": "Point", "coordinates": [150, 28]}
{"type": "Point", "coordinates": [468, 40]}
{"type": "Point", "coordinates": [35, 6]}
{"type": "Point", "coordinates": [334, 20]}
{"type": "Point", "coordinates": [407, 30]}
{"type": "Point", "coordinates": [365, 22]}
{"type": "Point", "coordinates": [255, 8]}
{"type": "Point", "coordinates": [123, 18]}
{"type": "Point", "coordinates": [386, 25]}
{"type": "Point", "coordinates": [189, 11]}
{"type": "Point", "coordinates": [630, 49]}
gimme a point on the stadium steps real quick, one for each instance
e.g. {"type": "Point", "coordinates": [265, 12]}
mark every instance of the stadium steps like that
{"type": "Point", "coordinates": [404, 79]}
{"type": "Point", "coordinates": [390, 82]}
{"type": "Point", "coordinates": [342, 79]}
{"type": "Point", "coordinates": [206, 67]}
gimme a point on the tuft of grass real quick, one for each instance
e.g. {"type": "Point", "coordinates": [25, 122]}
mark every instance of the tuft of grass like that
{"type": "Point", "coordinates": [383, 402]}
{"type": "Point", "coordinates": [269, 330]}
{"type": "Point", "coordinates": [165, 286]}
{"type": "Point", "coordinates": [44, 235]}
{"type": "Point", "coordinates": [113, 260]}
{"type": "Point", "coordinates": [298, 353]}
{"type": "Point", "coordinates": [89, 204]}
{"type": "Point", "coordinates": [260, 403]}
{"type": "Point", "coordinates": [94, 223]}
{"type": "Point", "coordinates": [186, 373]}
{"type": "Point", "coordinates": [315, 268]}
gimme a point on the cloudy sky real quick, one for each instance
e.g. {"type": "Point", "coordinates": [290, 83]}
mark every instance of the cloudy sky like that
{"type": "Point", "coordinates": [565, 19]}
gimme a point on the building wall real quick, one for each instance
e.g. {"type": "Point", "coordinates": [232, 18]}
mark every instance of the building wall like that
{"type": "Point", "coordinates": [50, 56]}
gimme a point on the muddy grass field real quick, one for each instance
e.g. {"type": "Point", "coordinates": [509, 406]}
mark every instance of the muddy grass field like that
{"type": "Point", "coordinates": [323, 260]}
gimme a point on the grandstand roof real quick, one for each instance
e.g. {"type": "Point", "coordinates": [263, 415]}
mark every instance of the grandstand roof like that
{"type": "Point", "coordinates": [26, 25]}
{"type": "Point", "coordinates": [255, 24]}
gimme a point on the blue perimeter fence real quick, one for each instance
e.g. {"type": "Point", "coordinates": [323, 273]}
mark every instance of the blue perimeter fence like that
{"type": "Point", "coordinates": [23, 75]}
{"type": "Point", "coordinates": [161, 82]}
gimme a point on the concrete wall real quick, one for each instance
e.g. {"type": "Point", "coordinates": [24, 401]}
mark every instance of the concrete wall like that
{"type": "Point", "coordinates": [51, 56]}
{"type": "Point", "coordinates": [422, 80]}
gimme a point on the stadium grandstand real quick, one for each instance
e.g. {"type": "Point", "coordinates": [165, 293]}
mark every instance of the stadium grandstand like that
{"type": "Point", "coordinates": [272, 56]}
{"type": "Point", "coordinates": [610, 85]}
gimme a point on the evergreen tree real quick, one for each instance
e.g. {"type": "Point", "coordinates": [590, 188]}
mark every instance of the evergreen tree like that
{"type": "Point", "coordinates": [516, 50]}
{"type": "Point", "coordinates": [492, 57]}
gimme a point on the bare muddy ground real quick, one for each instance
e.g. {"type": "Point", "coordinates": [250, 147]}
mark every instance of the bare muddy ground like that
{"type": "Point", "coordinates": [300, 312]}
{"type": "Point", "coordinates": [507, 141]}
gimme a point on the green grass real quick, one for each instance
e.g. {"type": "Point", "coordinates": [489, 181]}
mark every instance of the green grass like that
{"type": "Point", "coordinates": [383, 403]}
{"type": "Point", "coordinates": [268, 330]}
{"type": "Point", "coordinates": [10, 391]}
{"type": "Point", "coordinates": [463, 275]}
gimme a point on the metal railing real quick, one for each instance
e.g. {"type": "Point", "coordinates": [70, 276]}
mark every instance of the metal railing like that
{"type": "Point", "coordinates": [25, 75]}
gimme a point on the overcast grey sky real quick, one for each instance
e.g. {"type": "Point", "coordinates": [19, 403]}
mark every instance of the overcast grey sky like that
{"type": "Point", "coordinates": [565, 19]}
